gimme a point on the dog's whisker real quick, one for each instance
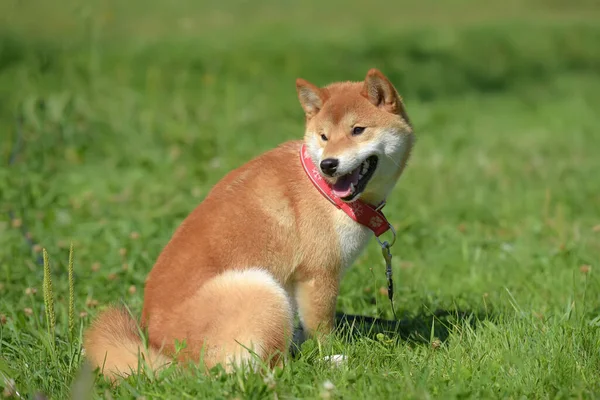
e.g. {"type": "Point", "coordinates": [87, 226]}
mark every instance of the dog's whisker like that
{"type": "Point", "coordinates": [394, 161]}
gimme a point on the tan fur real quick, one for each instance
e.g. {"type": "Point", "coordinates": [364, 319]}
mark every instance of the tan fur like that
{"type": "Point", "coordinates": [115, 344]}
{"type": "Point", "coordinates": [263, 242]}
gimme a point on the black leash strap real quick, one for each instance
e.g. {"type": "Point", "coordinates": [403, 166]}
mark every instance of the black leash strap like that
{"type": "Point", "coordinates": [387, 256]}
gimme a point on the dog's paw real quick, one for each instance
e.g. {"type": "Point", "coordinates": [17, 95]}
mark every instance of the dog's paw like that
{"type": "Point", "coordinates": [336, 359]}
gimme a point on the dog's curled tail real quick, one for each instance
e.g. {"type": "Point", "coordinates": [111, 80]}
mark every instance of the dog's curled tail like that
{"type": "Point", "coordinates": [113, 344]}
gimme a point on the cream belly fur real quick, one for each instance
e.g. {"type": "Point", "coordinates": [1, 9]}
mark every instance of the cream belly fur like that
{"type": "Point", "coordinates": [265, 243]}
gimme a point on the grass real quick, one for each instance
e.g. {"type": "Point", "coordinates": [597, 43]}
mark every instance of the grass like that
{"type": "Point", "coordinates": [124, 115]}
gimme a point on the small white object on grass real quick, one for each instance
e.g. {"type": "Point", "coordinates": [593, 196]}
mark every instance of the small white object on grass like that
{"type": "Point", "coordinates": [328, 385]}
{"type": "Point", "coordinates": [336, 359]}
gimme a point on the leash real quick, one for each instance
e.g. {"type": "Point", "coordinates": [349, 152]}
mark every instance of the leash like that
{"type": "Point", "coordinates": [387, 256]}
{"type": "Point", "coordinates": [14, 153]}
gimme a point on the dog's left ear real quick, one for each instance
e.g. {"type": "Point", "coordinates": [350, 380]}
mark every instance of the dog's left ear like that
{"type": "Point", "coordinates": [381, 93]}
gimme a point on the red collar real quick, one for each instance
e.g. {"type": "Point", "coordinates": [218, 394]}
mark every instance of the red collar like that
{"type": "Point", "coordinates": [361, 212]}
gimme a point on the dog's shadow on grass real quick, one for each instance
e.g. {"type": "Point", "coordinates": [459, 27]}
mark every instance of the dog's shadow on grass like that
{"type": "Point", "coordinates": [422, 328]}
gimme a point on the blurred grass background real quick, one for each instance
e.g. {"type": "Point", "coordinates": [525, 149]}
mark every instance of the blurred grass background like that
{"type": "Point", "coordinates": [124, 115]}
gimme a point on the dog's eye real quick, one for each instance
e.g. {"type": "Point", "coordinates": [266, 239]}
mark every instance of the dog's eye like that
{"type": "Point", "coordinates": [323, 137]}
{"type": "Point", "coordinates": [358, 130]}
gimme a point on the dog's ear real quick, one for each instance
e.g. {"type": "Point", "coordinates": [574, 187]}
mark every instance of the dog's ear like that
{"type": "Point", "coordinates": [381, 93]}
{"type": "Point", "coordinates": [311, 97]}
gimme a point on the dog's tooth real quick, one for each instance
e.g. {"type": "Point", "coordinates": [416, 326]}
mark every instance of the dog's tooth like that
{"type": "Point", "coordinates": [364, 168]}
{"type": "Point", "coordinates": [352, 187]}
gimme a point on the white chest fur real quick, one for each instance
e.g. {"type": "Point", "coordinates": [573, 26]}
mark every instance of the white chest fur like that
{"type": "Point", "coordinates": [353, 237]}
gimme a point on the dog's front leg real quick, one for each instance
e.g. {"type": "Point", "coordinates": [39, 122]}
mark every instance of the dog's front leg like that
{"type": "Point", "coordinates": [316, 299]}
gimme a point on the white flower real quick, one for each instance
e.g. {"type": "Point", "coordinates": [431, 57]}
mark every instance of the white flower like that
{"type": "Point", "coordinates": [328, 385]}
{"type": "Point", "coordinates": [375, 222]}
{"type": "Point", "coordinates": [358, 209]}
{"type": "Point", "coordinates": [316, 174]}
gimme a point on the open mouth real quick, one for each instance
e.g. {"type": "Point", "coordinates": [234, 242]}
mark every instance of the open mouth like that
{"type": "Point", "coordinates": [349, 186]}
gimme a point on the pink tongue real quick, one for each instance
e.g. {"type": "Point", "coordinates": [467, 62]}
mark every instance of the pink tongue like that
{"type": "Point", "coordinates": [341, 188]}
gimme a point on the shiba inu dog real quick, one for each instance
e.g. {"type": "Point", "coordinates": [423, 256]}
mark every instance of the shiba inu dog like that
{"type": "Point", "coordinates": [270, 240]}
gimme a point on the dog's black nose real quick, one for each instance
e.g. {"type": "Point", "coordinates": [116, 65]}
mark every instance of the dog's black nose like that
{"type": "Point", "coordinates": [329, 166]}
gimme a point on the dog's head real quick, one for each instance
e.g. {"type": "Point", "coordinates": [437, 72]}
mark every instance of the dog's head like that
{"type": "Point", "coordinates": [359, 135]}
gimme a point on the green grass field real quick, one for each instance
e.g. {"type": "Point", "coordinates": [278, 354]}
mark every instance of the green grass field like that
{"type": "Point", "coordinates": [120, 116]}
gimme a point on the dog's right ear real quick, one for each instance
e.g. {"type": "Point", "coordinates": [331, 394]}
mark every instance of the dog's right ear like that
{"type": "Point", "coordinates": [311, 97]}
